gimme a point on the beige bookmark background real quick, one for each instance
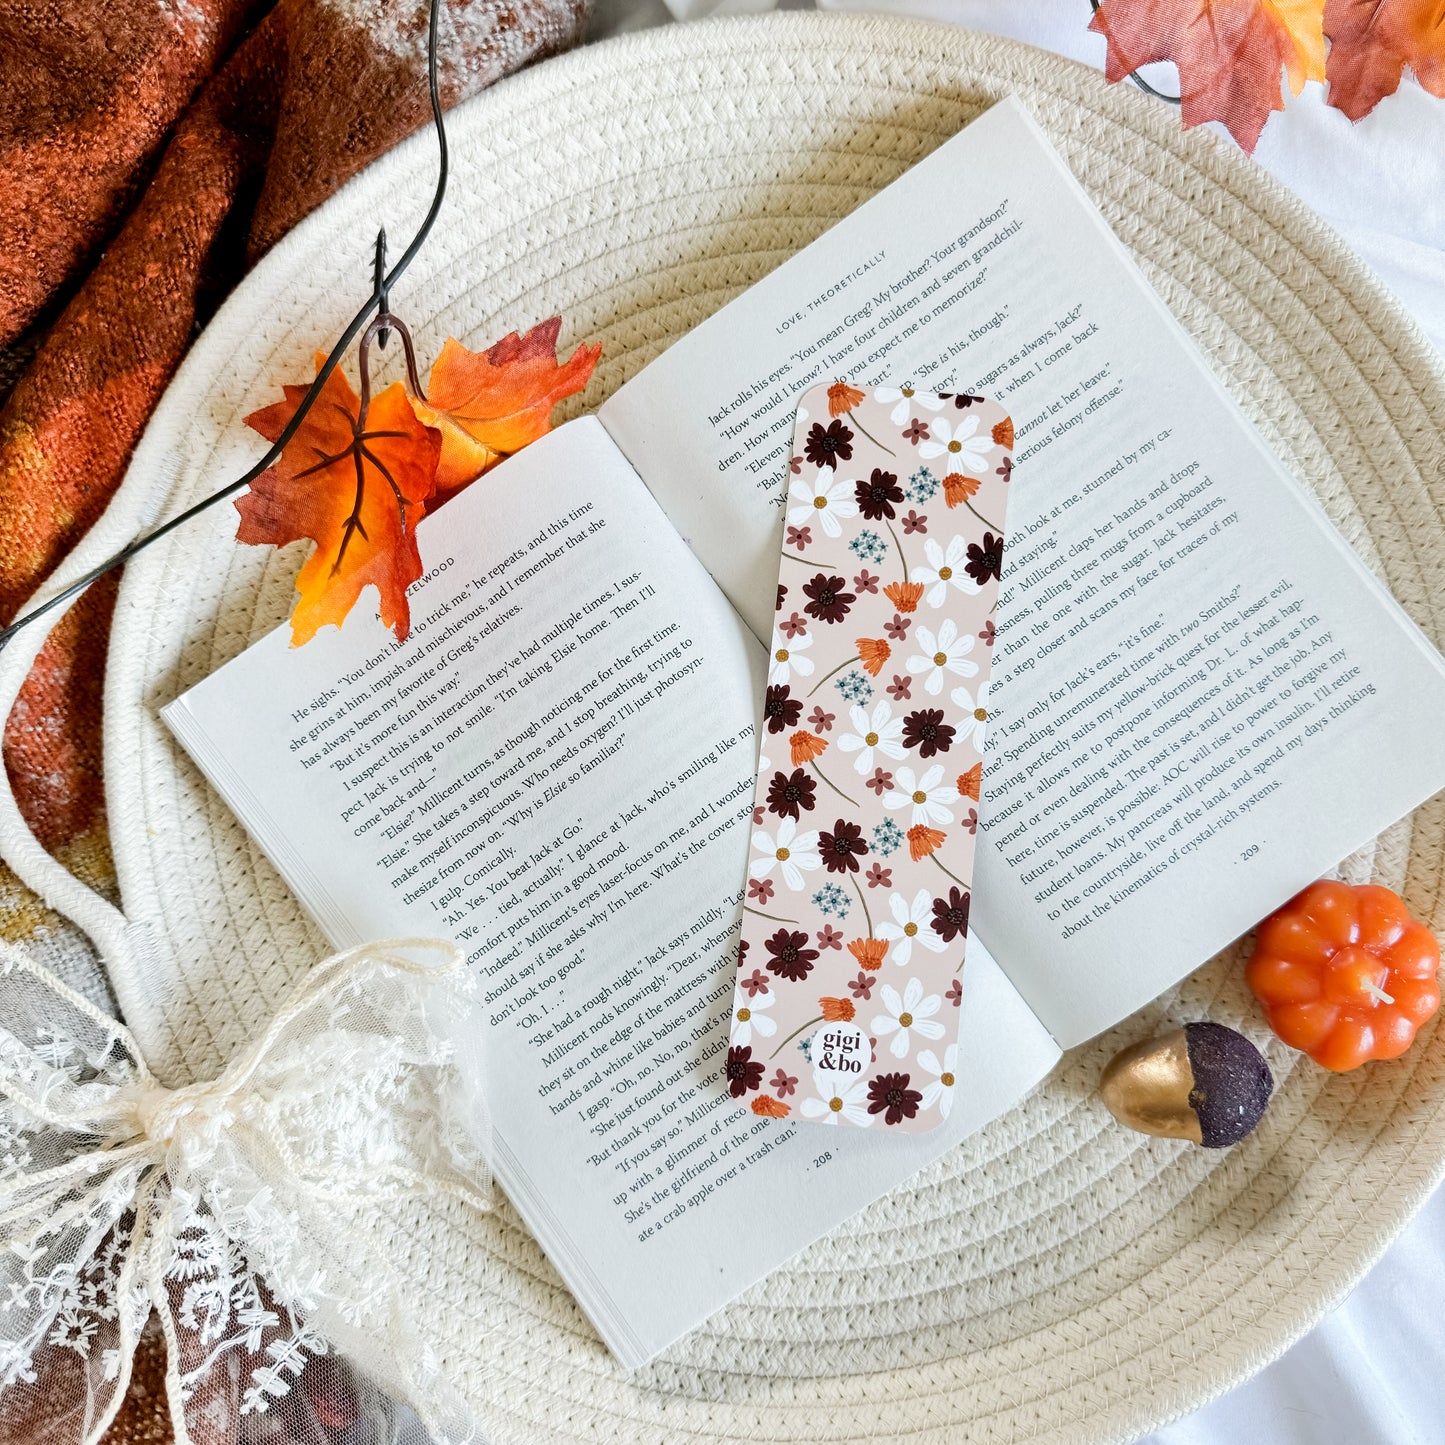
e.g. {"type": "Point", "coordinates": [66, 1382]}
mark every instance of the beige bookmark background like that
{"type": "Point", "coordinates": [858, 892]}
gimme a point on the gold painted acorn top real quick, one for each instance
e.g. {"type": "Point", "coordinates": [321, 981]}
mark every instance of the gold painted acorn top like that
{"type": "Point", "coordinates": [1203, 1082]}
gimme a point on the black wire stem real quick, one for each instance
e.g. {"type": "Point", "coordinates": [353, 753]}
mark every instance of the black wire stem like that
{"type": "Point", "coordinates": [379, 301]}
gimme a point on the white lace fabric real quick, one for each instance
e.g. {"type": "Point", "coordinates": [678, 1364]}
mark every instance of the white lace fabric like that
{"type": "Point", "coordinates": [247, 1214]}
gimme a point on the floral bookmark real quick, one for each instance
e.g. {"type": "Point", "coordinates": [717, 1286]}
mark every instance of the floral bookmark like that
{"type": "Point", "coordinates": [856, 914]}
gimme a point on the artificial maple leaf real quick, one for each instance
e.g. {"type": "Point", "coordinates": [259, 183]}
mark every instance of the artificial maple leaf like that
{"type": "Point", "coordinates": [1371, 43]}
{"type": "Point", "coordinates": [357, 493]}
{"type": "Point", "coordinates": [1229, 52]}
{"type": "Point", "coordinates": [489, 404]}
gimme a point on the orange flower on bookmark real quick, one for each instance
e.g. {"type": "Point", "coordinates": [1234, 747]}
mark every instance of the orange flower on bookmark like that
{"type": "Point", "coordinates": [769, 1107]}
{"type": "Point", "coordinates": [869, 952]}
{"type": "Point", "coordinates": [1003, 432]}
{"type": "Point", "coordinates": [904, 595]}
{"type": "Point", "coordinates": [805, 747]}
{"type": "Point", "coordinates": [958, 488]}
{"type": "Point", "coordinates": [842, 398]}
{"type": "Point", "coordinates": [923, 840]}
{"type": "Point", "coordinates": [836, 1010]}
{"type": "Point", "coordinates": [971, 782]}
{"type": "Point", "coordinates": [873, 652]}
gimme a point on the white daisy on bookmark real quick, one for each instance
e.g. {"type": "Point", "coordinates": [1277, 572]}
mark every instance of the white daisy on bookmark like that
{"type": "Point", "coordinates": [947, 568]}
{"type": "Point", "coordinates": [960, 442]}
{"type": "Point", "coordinates": [790, 657]}
{"type": "Point", "coordinates": [939, 1089]}
{"type": "Point", "coordinates": [909, 925]}
{"type": "Point", "coordinates": [879, 732]}
{"type": "Point", "coordinates": [941, 652]}
{"type": "Point", "coordinates": [825, 500]}
{"type": "Point", "coordinates": [750, 1017]}
{"type": "Point", "coordinates": [792, 853]}
{"type": "Point", "coordinates": [907, 1014]}
{"type": "Point", "coordinates": [903, 399]}
{"type": "Point", "coordinates": [838, 1101]}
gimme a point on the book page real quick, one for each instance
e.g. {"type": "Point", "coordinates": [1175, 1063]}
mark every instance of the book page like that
{"type": "Point", "coordinates": [1203, 700]}
{"type": "Point", "coordinates": [556, 770]}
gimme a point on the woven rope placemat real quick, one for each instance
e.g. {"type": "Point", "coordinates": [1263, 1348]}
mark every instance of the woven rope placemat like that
{"type": "Point", "coordinates": [1055, 1278]}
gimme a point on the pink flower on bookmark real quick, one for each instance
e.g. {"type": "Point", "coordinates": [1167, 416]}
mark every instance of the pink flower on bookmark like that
{"type": "Point", "coordinates": [755, 983]}
{"type": "Point", "coordinates": [880, 782]}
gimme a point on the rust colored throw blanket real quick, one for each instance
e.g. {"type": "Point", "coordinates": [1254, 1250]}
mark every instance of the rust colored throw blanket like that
{"type": "Point", "coordinates": [153, 150]}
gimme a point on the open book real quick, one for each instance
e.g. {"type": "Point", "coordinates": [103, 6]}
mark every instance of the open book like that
{"type": "Point", "coordinates": [1202, 701]}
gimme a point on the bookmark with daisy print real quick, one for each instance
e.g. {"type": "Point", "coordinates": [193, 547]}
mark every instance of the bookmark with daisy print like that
{"type": "Point", "coordinates": [855, 917]}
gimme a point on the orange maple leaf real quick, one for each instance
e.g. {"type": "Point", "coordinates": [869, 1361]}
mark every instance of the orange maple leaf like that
{"type": "Point", "coordinates": [1230, 53]}
{"type": "Point", "coordinates": [489, 404]}
{"type": "Point", "coordinates": [1371, 43]}
{"type": "Point", "coordinates": [357, 493]}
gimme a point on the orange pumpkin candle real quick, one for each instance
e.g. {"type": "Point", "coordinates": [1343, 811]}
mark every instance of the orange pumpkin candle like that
{"type": "Point", "coordinates": [1345, 974]}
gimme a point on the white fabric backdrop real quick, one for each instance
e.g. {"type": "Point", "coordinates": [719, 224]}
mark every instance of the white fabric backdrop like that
{"type": "Point", "coordinates": [1373, 1372]}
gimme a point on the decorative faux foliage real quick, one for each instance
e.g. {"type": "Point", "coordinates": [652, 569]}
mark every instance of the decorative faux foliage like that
{"type": "Point", "coordinates": [362, 471]}
{"type": "Point", "coordinates": [1371, 43]}
{"type": "Point", "coordinates": [1231, 54]}
{"type": "Point", "coordinates": [356, 486]}
{"type": "Point", "coordinates": [489, 404]}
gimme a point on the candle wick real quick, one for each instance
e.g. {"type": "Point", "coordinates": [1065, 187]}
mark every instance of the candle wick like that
{"type": "Point", "coordinates": [1379, 994]}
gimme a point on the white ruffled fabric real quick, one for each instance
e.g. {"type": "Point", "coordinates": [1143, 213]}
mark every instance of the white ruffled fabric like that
{"type": "Point", "coordinates": [248, 1214]}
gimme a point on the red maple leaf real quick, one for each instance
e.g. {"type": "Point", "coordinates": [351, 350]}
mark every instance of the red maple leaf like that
{"type": "Point", "coordinates": [1371, 43]}
{"type": "Point", "coordinates": [1230, 53]}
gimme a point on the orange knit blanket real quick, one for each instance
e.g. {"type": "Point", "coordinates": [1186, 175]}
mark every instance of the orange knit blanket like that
{"type": "Point", "coordinates": [152, 151]}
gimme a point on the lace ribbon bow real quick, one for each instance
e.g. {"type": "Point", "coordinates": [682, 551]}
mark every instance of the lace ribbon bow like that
{"type": "Point", "coordinates": [257, 1215]}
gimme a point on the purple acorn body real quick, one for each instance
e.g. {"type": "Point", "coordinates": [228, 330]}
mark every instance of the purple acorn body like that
{"type": "Point", "coordinates": [1204, 1082]}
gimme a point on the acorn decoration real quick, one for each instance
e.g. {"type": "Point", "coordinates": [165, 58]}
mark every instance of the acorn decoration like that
{"type": "Point", "coordinates": [1204, 1082]}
